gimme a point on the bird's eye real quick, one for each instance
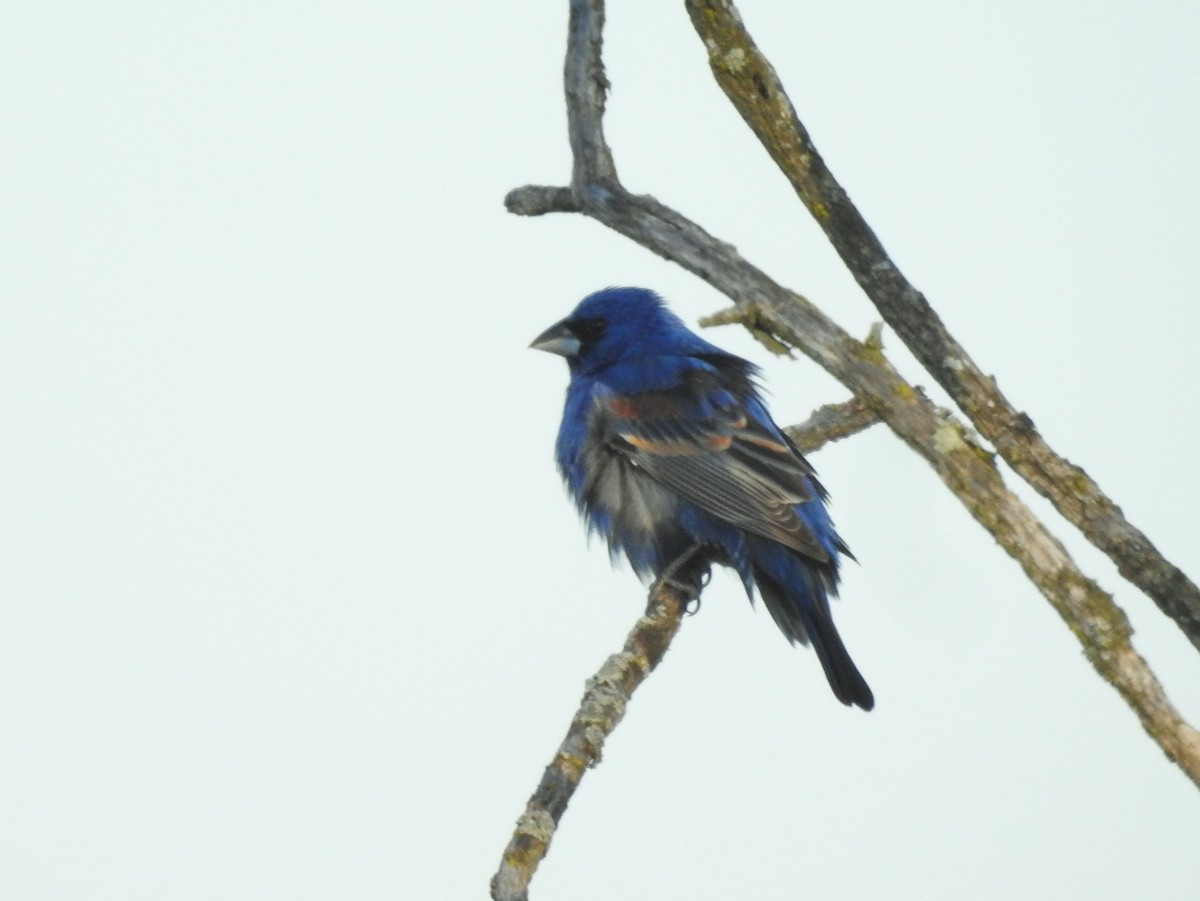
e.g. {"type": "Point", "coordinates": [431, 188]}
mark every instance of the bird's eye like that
{"type": "Point", "coordinates": [590, 329]}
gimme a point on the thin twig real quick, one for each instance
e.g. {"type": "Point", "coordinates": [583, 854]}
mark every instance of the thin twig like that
{"type": "Point", "coordinates": [750, 82]}
{"type": "Point", "coordinates": [832, 422]}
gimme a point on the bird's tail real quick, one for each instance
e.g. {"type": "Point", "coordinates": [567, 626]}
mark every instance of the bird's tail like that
{"type": "Point", "coordinates": [801, 610]}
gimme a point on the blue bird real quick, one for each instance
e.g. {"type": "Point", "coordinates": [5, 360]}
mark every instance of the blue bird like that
{"type": "Point", "coordinates": [667, 447]}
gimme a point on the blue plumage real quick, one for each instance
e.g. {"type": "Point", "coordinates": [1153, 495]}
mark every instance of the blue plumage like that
{"type": "Point", "coordinates": [665, 444]}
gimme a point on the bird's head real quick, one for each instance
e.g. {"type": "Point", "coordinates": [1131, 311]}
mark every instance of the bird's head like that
{"type": "Point", "coordinates": [617, 324]}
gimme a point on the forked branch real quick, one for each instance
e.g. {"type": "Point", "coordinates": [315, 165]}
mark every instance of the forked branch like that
{"type": "Point", "coordinates": [946, 443]}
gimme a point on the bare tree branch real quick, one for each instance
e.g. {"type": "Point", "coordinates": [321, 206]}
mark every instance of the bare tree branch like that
{"type": "Point", "coordinates": [773, 311]}
{"type": "Point", "coordinates": [949, 446]}
{"type": "Point", "coordinates": [832, 422]}
{"type": "Point", "coordinates": [603, 705]}
{"type": "Point", "coordinates": [750, 82]}
{"type": "Point", "coordinates": [587, 86]}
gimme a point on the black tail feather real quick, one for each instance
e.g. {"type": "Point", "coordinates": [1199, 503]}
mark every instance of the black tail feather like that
{"type": "Point", "coordinates": [809, 619]}
{"type": "Point", "coordinates": [844, 678]}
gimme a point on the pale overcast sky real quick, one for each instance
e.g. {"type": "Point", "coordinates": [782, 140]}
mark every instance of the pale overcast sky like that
{"type": "Point", "coordinates": [293, 603]}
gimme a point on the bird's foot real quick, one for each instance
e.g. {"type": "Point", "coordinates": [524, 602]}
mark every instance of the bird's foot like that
{"type": "Point", "coordinates": [688, 574]}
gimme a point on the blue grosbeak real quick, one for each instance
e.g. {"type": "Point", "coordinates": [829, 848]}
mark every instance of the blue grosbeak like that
{"type": "Point", "coordinates": [668, 450]}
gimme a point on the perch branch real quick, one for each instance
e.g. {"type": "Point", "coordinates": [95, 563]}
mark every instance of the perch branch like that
{"type": "Point", "coordinates": [603, 705]}
{"type": "Point", "coordinates": [750, 82]}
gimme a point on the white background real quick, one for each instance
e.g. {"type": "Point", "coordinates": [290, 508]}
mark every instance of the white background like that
{"type": "Point", "coordinates": [292, 604]}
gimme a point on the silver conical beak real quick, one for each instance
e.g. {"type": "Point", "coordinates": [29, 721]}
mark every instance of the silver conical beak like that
{"type": "Point", "coordinates": [558, 339]}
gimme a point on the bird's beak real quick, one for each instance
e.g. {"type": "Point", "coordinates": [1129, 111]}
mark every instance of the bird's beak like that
{"type": "Point", "coordinates": [558, 339]}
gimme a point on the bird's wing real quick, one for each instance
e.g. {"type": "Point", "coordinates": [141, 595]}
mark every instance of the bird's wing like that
{"type": "Point", "coordinates": [718, 448]}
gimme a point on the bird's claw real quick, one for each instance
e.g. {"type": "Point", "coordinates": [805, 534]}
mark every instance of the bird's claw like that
{"type": "Point", "coordinates": [682, 577]}
{"type": "Point", "coordinates": [689, 589]}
